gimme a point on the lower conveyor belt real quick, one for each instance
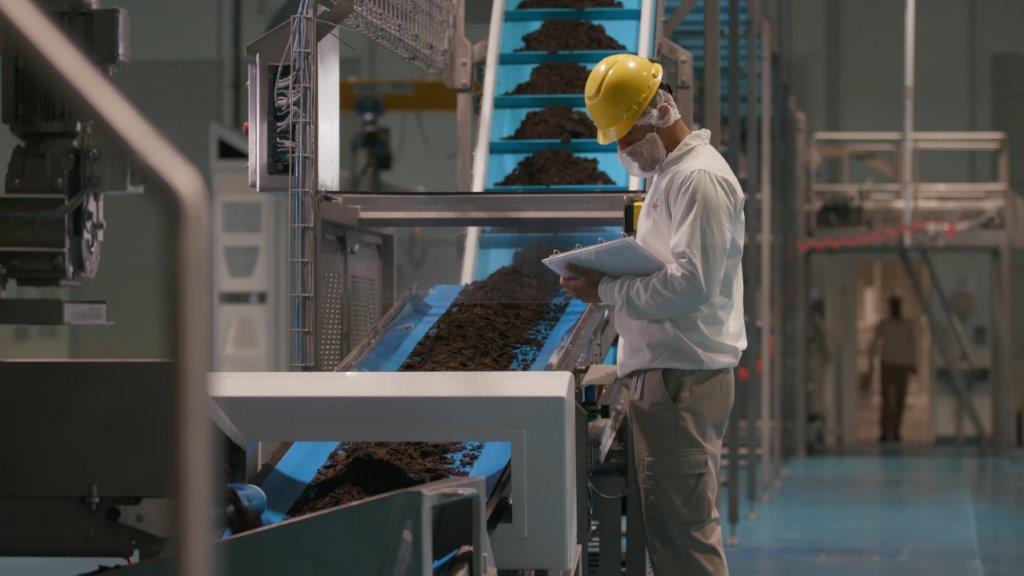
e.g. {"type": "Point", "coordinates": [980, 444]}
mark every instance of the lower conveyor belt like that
{"type": "Point", "coordinates": [296, 468]}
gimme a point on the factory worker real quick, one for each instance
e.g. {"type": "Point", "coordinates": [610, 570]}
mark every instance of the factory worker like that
{"type": "Point", "coordinates": [896, 338]}
{"type": "Point", "coordinates": [681, 329]}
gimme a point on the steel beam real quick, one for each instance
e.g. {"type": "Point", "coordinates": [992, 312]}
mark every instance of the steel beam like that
{"type": "Point", "coordinates": [443, 209]}
{"type": "Point", "coordinates": [678, 15]}
{"type": "Point", "coordinates": [751, 268]}
{"type": "Point", "coordinates": [802, 303]}
{"type": "Point", "coordinates": [955, 376]}
{"type": "Point", "coordinates": [735, 153]}
{"type": "Point", "coordinates": [712, 116]}
{"type": "Point", "coordinates": [765, 303]}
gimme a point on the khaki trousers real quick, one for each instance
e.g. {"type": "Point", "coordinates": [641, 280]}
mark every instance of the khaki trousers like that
{"type": "Point", "coordinates": [677, 424]}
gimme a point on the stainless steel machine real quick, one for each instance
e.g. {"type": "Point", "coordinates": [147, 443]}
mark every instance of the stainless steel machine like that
{"type": "Point", "coordinates": [558, 465]}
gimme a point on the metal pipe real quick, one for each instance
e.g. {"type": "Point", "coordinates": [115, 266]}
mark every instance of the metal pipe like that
{"type": "Point", "coordinates": [1002, 389]}
{"type": "Point", "coordinates": [647, 9]}
{"type": "Point", "coordinates": [764, 307]}
{"type": "Point", "coordinates": [679, 14]}
{"type": "Point", "coordinates": [907, 162]}
{"type": "Point", "coordinates": [464, 140]}
{"type": "Point", "coordinates": [181, 182]}
{"type": "Point", "coordinates": [800, 336]}
{"type": "Point", "coordinates": [734, 159]}
{"type": "Point", "coordinates": [750, 296]}
{"type": "Point", "coordinates": [459, 76]}
{"type": "Point", "coordinates": [483, 136]}
{"type": "Point", "coordinates": [659, 26]}
{"type": "Point", "coordinates": [957, 382]}
{"type": "Point", "coordinates": [712, 72]}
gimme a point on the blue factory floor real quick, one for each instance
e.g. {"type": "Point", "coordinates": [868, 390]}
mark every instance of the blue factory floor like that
{"type": "Point", "coordinates": [933, 513]}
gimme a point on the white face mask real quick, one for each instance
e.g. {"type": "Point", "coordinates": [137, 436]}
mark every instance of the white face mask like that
{"type": "Point", "coordinates": [643, 158]}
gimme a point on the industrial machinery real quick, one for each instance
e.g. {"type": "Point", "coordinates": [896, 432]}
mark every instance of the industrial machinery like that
{"type": "Point", "coordinates": [52, 206]}
{"type": "Point", "coordinates": [51, 234]}
{"type": "Point", "coordinates": [541, 498]}
{"type": "Point", "coordinates": [548, 460]}
{"type": "Point", "coordinates": [133, 433]}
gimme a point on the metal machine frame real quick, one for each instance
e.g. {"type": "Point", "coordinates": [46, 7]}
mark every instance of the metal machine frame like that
{"type": "Point", "coordinates": [552, 210]}
{"type": "Point", "coordinates": [594, 333]}
{"type": "Point", "coordinates": [401, 532]}
{"type": "Point", "coordinates": [980, 217]}
{"type": "Point", "coordinates": [533, 411]}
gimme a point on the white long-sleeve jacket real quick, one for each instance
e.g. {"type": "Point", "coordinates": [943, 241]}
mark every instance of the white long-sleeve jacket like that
{"type": "Point", "coordinates": [689, 315]}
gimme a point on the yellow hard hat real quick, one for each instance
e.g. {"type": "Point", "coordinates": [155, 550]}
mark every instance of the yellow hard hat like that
{"type": "Point", "coordinates": [618, 90]}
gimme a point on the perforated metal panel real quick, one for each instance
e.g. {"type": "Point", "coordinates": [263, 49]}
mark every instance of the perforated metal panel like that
{"type": "Point", "coordinates": [331, 318]}
{"type": "Point", "coordinates": [364, 308]}
{"type": "Point", "coordinates": [351, 280]}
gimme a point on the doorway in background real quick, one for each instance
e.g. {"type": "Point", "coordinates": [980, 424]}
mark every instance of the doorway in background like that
{"type": "Point", "coordinates": [877, 281]}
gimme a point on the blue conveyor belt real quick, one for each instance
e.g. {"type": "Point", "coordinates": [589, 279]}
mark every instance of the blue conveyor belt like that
{"type": "Point", "coordinates": [297, 467]}
{"type": "Point", "coordinates": [514, 67]}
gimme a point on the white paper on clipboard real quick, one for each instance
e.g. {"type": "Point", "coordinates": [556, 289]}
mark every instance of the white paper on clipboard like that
{"type": "Point", "coordinates": [617, 258]}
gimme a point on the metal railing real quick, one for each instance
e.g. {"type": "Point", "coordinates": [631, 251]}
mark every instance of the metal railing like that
{"type": "Point", "coordinates": [877, 187]}
{"type": "Point", "coordinates": [23, 22]}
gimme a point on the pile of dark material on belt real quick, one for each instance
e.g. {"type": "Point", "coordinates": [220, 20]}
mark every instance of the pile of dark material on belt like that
{"type": "Point", "coordinates": [495, 324]}
{"type": "Point", "coordinates": [554, 123]}
{"type": "Point", "coordinates": [557, 35]}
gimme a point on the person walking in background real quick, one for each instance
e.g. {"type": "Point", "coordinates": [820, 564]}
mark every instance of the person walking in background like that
{"type": "Point", "coordinates": [897, 338]}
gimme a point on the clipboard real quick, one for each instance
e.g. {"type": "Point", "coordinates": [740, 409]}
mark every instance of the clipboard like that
{"type": "Point", "coordinates": [617, 258]}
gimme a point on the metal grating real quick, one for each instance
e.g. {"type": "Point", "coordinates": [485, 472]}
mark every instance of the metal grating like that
{"type": "Point", "coordinates": [363, 308]}
{"type": "Point", "coordinates": [417, 30]}
{"type": "Point", "coordinates": [331, 319]}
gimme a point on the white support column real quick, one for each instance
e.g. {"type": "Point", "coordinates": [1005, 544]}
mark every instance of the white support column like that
{"type": "Point", "coordinates": [483, 138]}
{"type": "Point", "coordinates": [907, 162]}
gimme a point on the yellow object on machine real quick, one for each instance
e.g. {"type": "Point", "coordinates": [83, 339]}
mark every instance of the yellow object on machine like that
{"type": "Point", "coordinates": [398, 93]}
{"type": "Point", "coordinates": [631, 213]}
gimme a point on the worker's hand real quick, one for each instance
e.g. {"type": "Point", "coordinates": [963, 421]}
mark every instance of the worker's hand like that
{"type": "Point", "coordinates": [584, 286]}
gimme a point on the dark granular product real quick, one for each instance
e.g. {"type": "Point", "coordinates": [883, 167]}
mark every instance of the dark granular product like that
{"type": "Point", "coordinates": [555, 122]}
{"type": "Point", "coordinates": [498, 323]}
{"type": "Point", "coordinates": [359, 470]}
{"type": "Point", "coordinates": [557, 35]}
{"type": "Point", "coordinates": [577, 4]}
{"type": "Point", "coordinates": [555, 167]}
{"type": "Point", "coordinates": [555, 78]}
